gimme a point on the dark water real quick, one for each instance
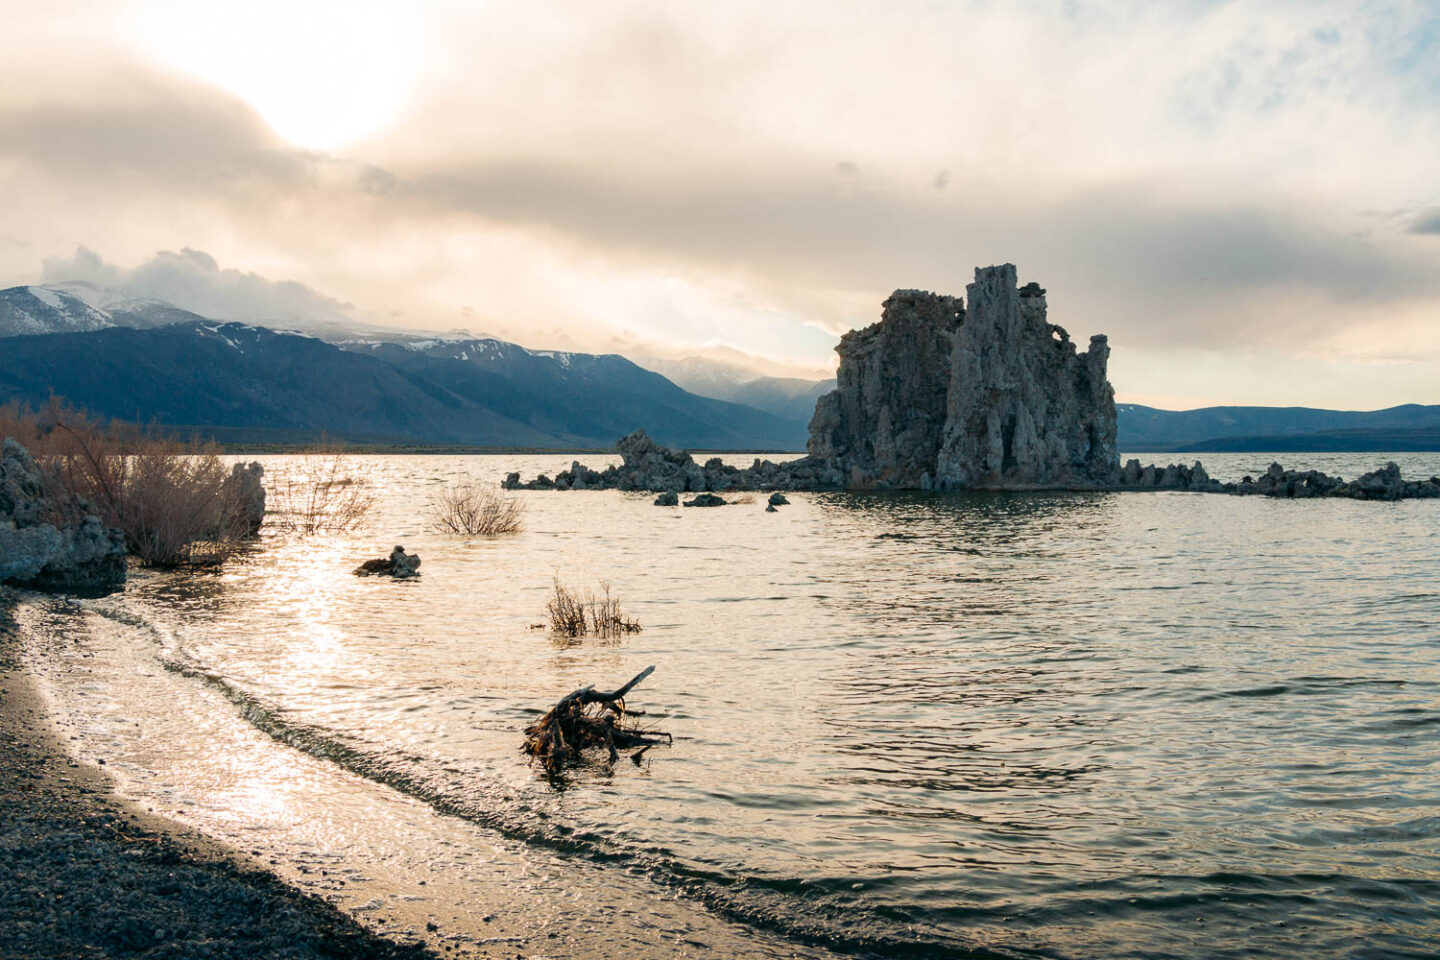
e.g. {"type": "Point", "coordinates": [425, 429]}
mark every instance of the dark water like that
{"type": "Point", "coordinates": [1067, 725]}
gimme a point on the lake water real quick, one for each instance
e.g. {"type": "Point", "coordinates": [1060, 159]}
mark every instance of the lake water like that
{"type": "Point", "coordinates": [1061, 725]}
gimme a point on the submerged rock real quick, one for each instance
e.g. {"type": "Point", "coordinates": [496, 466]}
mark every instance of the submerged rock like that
{"type": "Point", "coordinates": [39, 548]}
{"type": "Point", "coordinates": [399, 564]}
{"type": "Point", "coordinates": [1382, 484]}
{"type": "Point", "coordinates": [650, 466]}
{"type": "Point", "coordinates": [1170, 477]}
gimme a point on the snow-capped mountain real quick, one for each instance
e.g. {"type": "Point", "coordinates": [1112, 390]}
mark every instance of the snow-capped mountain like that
{"type": "Point", "coordinates": [244, 381]}
{"type": "Point", "coordinates": [32, 310]}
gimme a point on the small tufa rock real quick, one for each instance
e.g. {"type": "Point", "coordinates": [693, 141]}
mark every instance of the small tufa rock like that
{"type": "Point", "coordinates": [38, 549]}
{"type": "Point", "coordinates": [246, 490]}
{"type": "Point", "coordinates": [706, 500]}
{"type": "Point", "coordinates": [778, 499]}
{"type": "Point", "coordinates": [668, 499]}
{"type": "Point", "coordinates": [400, 565]}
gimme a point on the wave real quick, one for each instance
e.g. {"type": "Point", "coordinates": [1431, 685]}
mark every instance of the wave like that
{"type": "Point", "coordinates": [824, 913]}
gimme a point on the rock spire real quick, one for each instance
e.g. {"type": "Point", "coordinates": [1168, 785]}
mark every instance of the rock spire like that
{"type": "Point", "coordinates": [994, 397]}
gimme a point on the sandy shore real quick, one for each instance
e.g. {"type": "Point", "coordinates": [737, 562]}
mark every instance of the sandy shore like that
{"type": "Point", "coordinates": [84, 875]}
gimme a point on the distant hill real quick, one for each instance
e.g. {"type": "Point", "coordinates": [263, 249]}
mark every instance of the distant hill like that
{"type": "Point", "coordinates": [727, 374]}
{"type": "Point", "coordinates": [787, 397]}
{"type": "Point", "coordinates": [229, 377]}
{"type": "Point", "coordinates": [583, 396]}
{"type": "Point", "coordinates": [1342, 441]}
{"type": "Point", "coordinates": [1281, 429]}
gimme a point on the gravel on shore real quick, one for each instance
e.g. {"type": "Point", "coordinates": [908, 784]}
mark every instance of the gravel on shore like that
{"type": "Point", "coordinates": [83, 875]}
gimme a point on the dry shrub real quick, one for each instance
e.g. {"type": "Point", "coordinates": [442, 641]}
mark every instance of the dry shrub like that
{"type": "Point", "coordinates": [19, 421]}
{"type": "Point", "coordinates": [172, 499]}
{"type": "Point", "coordinates": [475, 510]}
{"type": "Point", "coordinates": [574, 615]}
{"type": "Point", "coordinates": [320, 495]}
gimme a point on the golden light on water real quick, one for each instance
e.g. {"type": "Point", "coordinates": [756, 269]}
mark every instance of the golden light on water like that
{"type": "Point", "coordinates": [308, 588]}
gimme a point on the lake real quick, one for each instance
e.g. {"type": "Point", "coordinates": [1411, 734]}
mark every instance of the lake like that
{"type": "Point", "coordinates": [1059, 725]}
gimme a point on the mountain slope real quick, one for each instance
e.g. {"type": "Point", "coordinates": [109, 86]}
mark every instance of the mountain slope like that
{"type": "Point", "coordinates": [237, 377]}
{"type": "Point", "coordinates": [34, 310]}
{"type": "Point", "coordinates": [575, 396]}
{"type": "Point", "coordinates": [234, 376]}
{"type": "Point", "coordinates": [787, 397]}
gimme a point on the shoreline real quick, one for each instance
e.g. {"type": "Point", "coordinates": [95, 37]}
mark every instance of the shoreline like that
{"type": "Point", "coordinates": [87, 874]}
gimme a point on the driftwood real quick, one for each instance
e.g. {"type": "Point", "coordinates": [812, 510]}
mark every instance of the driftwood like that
{"type": "Point", "coordinates": [588, 718]}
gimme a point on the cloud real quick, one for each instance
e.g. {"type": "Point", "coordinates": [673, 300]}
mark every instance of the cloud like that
{"type": "Point", "coordinates": [1426, 222]}
{"type": "Point", "coordinates": [1130, 257]}
{"type": "Point", "coordinates": [131, 122]}
{"type": "Point", "coordinates": [194, 281]}
{"type": "Point", "coordinates": [1189, 176]}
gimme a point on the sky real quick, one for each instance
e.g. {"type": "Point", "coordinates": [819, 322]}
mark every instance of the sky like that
{"type": "Point", "coordinates": [1244, 196]}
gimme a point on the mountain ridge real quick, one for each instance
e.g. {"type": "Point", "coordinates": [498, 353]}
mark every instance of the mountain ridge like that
{"type": "Point", "coordinates": [1248, 428]}
{"type": "Point", "coordinates": [517, 396]}
{"type": "Point", "coordinates": [236, 376]}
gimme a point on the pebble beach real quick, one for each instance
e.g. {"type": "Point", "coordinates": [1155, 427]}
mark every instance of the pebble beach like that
{"type": "Point", "coordinates": [84, 875]}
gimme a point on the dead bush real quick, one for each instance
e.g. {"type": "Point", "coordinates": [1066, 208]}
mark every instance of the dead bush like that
{"type": "Point", "coordinates": [320, 494]}
{"type": "Point", "coordinates": [574, 615]}
{"type": "Point", "coordinates": [173, 499]}
{"type": "Point", "coordinates": [476, 510]}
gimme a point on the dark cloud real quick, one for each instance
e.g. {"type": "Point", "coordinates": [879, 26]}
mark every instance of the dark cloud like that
{"type": "Point", "coordinates": [148, 127]}
{"type": "Point", "coordinates": [1122, 257]}
{"type": "Point", "coordinates": [1426, 222]}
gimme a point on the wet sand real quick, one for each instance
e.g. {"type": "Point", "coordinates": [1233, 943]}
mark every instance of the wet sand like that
{"type": "Point", "coordinates": [85, 875]}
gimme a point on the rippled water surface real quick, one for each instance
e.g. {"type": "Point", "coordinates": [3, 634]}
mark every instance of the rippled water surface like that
{"type": "Point", "coordinates": [1064, 725]}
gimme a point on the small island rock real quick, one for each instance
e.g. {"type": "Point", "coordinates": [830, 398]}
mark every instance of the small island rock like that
{"type": "Point", "coordinates": [399, 564]}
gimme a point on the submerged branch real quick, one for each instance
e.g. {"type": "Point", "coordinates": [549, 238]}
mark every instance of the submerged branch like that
{"type": "Point", "coordinates": [588, 718]}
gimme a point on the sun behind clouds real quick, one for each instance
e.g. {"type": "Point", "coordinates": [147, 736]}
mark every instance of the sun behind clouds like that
{"type": "Point", "coordinates": [323, 75]}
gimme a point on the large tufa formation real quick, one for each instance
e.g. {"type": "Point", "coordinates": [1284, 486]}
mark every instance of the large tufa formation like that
{"type": "Point", "coordinates": [938, 397]}
{"type": "Point", "coordinates": [884, 422]}
{"type": "Point", "coordinates": [40, 546]}
{"type": "Point", "coordinates": [931, 397]}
